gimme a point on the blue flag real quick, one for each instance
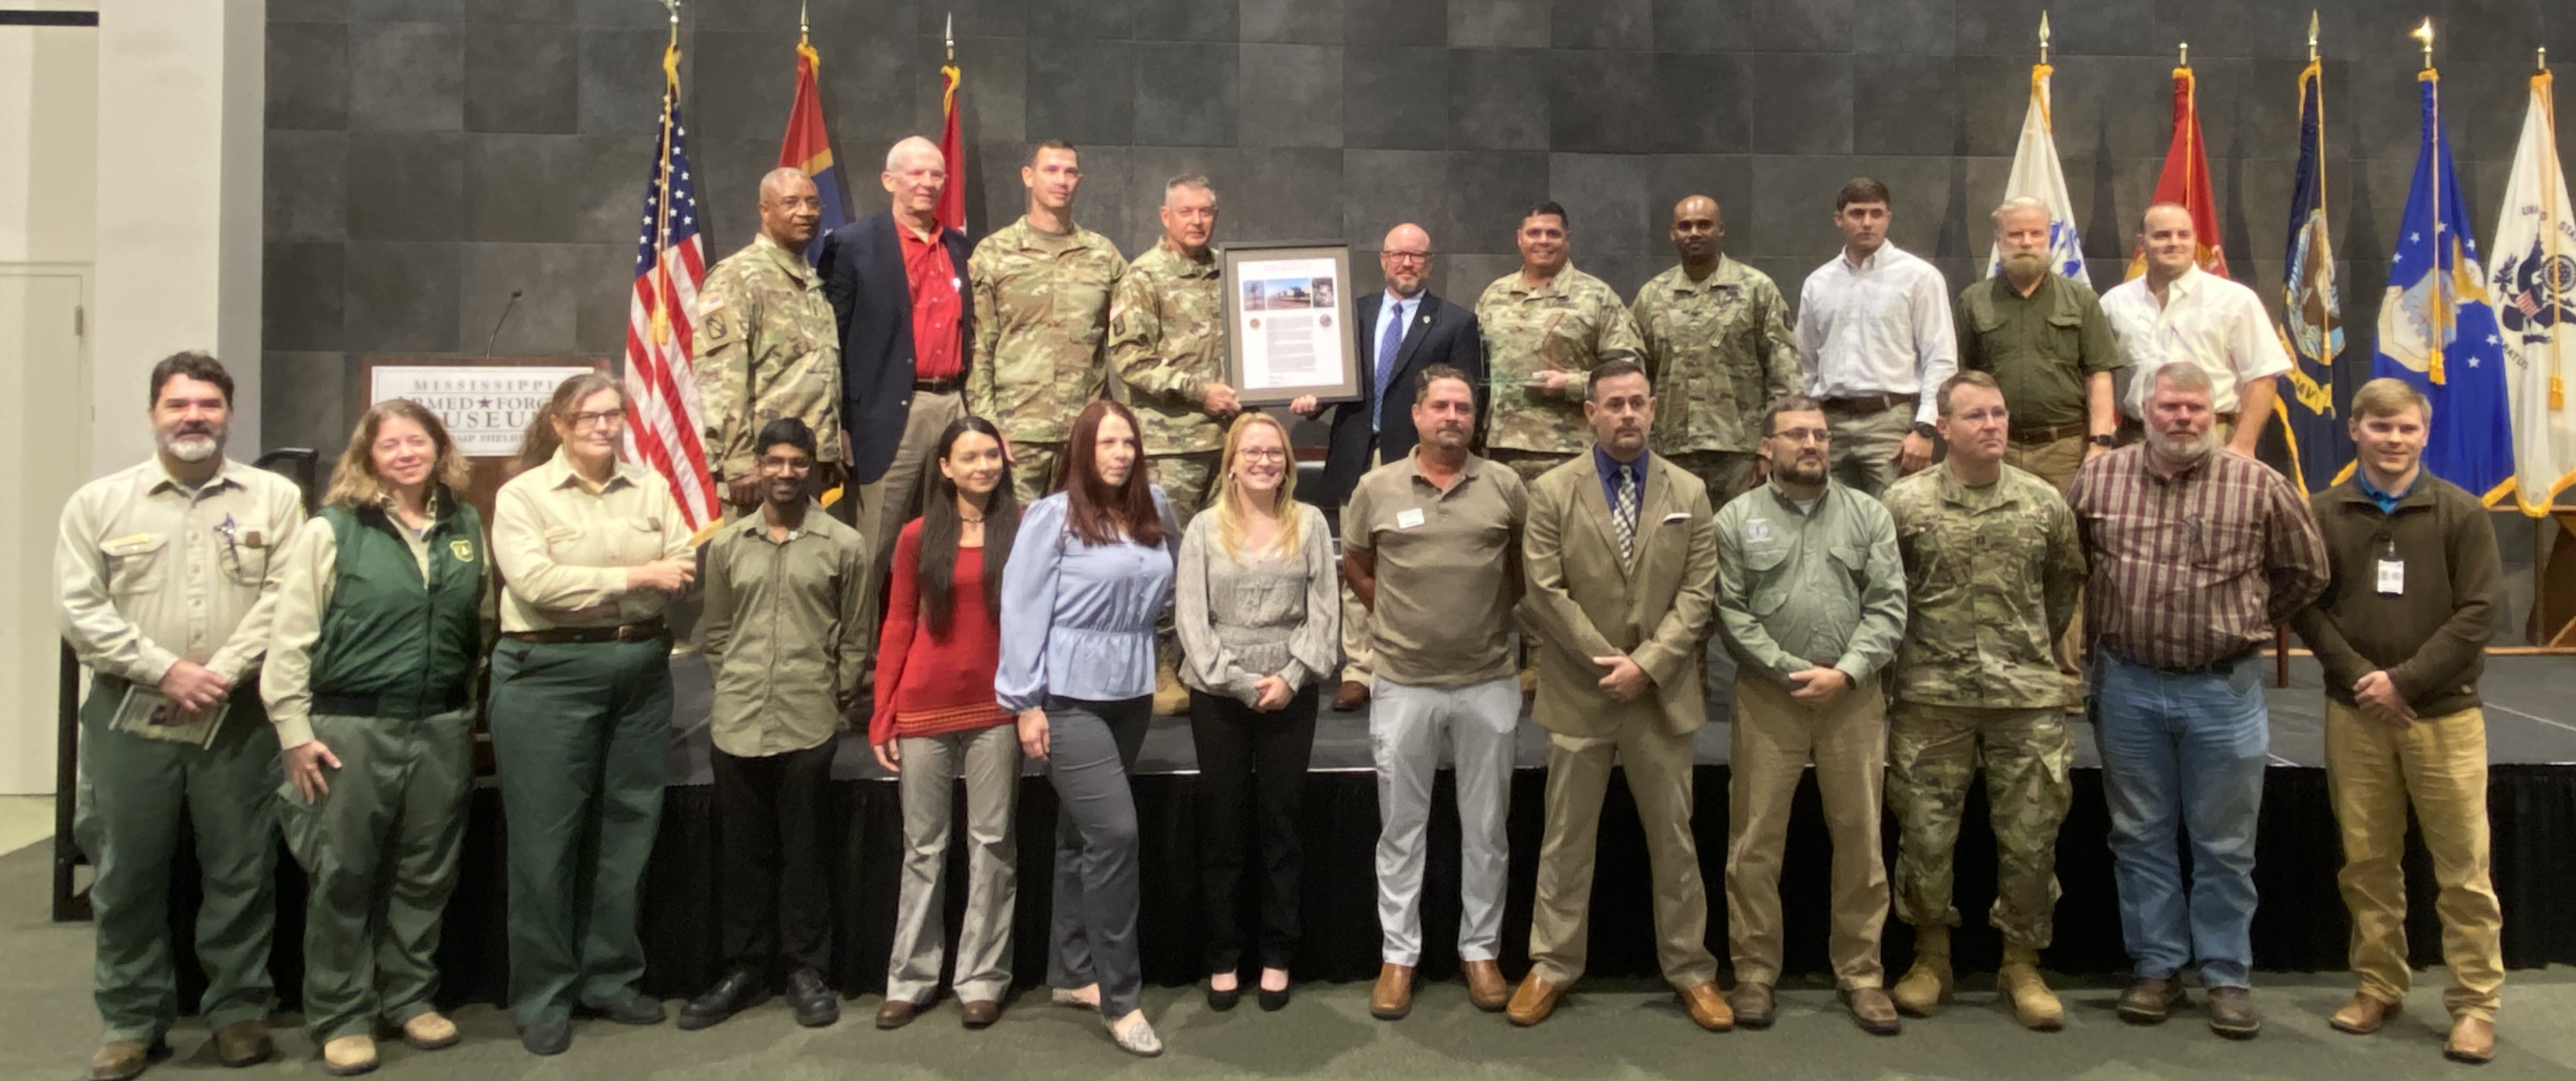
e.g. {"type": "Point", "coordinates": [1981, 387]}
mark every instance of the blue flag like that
{"type": "Point", "coordinates": [2310, 406]}
{"type": "Point", "coordinates": [2435, 328]}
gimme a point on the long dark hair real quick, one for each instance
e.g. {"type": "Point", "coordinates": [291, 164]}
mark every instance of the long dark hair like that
{"type": "Point", "coordinates": [1096, 512]}
{"type": "Point", "coordinates": [941, 528]}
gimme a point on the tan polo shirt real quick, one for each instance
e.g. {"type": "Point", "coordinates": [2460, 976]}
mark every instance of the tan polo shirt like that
{"type": "Point", "coordinates": [1444, 602]}
{"type": "Point", "coordinates": [151, 573]}
{"type": "Point", "coordinates": [563, 546]}
{"type": "Point", "coordinates": [783, 632]}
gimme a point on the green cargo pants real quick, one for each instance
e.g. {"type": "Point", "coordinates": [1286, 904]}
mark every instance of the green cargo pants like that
{"type": "Point", "coordinates": [380, 853]}
{"type": "Point", "coordinates": [579, 732]}
{"type": "Point", "coordinates": [131, 795]}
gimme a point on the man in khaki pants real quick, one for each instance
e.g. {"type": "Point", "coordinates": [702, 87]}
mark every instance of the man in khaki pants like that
{"type": "Point", "coordinates": [1621, 554]}
{"type": "Point", "coordinates": [1811, 597]}
{"type": "Point", "coordinates": [2401, 634]}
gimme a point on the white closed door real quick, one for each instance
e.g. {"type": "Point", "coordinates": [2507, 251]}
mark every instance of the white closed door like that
{"type": "Point", "coordinates": [45, 423]}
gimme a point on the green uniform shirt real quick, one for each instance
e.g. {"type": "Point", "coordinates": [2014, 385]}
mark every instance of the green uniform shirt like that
{"type": "Point", "coordinates": [1571, 324]}
{"type": "Point", "coordinates": [152, 574]}
{"type": "Point", "coordinates": [1822, 587]}
{"type": "Point", "coordinates": [767, 346]}
{"type": "Point", "coordinates": [1719, 352]}
{"type": "Point", "coordinates": [1991, 580]}
{"type": "Point", "coordinates": [2042, 349]}
{"type": "Point", "coordinates": [1041, 324]}
{"type": "Point", "coordinates": [782, 632]}
{"type": "Point", "coordinates": [1167, 343]}
{"type": "Point", "coordinates": [359, 619]}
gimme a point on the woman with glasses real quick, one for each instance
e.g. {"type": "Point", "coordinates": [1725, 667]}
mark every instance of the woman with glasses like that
{"type": "Point", "coordinates": [590, 551]}
{"type": "Point", "coordinates": [1259, 611]}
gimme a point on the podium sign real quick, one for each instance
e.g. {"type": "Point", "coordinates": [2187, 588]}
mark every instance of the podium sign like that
{"type": "Point", "coordinates": [486, 409]}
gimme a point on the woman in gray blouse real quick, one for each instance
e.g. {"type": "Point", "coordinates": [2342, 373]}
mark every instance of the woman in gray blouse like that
{"type": "Point", "coordinates": [1258, 608]}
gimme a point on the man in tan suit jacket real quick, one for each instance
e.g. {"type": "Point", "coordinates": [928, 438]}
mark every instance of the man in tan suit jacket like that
{"type": "Point", "coordinates": [1621, 553]}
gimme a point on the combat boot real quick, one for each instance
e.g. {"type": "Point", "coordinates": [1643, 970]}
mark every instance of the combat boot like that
{"type": "Point", "coordinates": [1927, 985]}
{"type": "Point", "coordinates": [2019, 984]}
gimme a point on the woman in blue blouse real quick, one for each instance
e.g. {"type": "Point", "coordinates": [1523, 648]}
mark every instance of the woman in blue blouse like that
{"type": "Point", "coordinates": [1091, 572]}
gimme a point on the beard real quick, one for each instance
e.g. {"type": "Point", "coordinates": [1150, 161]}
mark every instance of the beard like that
{"type": "Point", "coordinates": [1802, 473]}
{"type": "Point", "coordinates": [2184, 449]}
{"type": "Point", "coordinates": [2026, 264]}
{"type": "Point", "coordinates": [196, 446]}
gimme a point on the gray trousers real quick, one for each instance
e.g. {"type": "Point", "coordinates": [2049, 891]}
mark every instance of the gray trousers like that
{"type": "Point", "coordinates": [1406, 726]}
{"type": "Point", "coordinates": [1093, 934]}
{"type": "Point", "coordinates": [1864, 451]}
{"type": "Point", "coordinates": [989, 759]}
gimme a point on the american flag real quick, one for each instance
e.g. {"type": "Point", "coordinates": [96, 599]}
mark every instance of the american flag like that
{"type": "Point", "coordinates": [664, 416]}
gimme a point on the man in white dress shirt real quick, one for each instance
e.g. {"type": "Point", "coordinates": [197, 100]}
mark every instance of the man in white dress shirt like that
{"type": "Point", "coordinates": [2177, 311]}
{"type": "Point", "coordinates": [1875, 334]}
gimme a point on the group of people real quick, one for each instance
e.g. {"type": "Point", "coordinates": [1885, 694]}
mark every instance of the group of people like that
{"type": "Point", "coordinates": [1069, 519]}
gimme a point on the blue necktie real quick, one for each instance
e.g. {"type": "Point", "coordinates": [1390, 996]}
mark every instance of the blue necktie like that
{"type": "Point", "coordinates": [1387, 344]}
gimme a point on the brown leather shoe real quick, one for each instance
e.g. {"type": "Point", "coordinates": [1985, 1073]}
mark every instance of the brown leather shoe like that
{"type": "Point", "coordinates": [979, 1012]}
{"type": "Point", "coordinates": [1392, 998]}
{"type": "Point", "coordinates": [2149, 1000]}
{"type": "Point", "coordinates": [431, 1031]}
{"type": "Point", "coordinates": [1351, 695]}
{"type": "Point", "coordinates": [244, 1043]}
{"type": "Point", "coordinates": [118, 1060]}
{"type": "Point", "coordinates": [1485, 986]}
{"type": "Point", "coordinates": [1533, 1001]}
{"type": "Point", "coordinates": [1872, 1010]}
{"type": "Point", "coordinates": [2232, 1013]}
{"type": "Point", "coordinates": [1752, 1004]}
{"type": "Point", "coordinates": [896, 1013]}
{"type": "Point", "coordinates": [1707, 1008]}
{"type": "Point", "coordinates": [2363, 1015]}
{"type": "Point", "coordinates": [2472, 1041]}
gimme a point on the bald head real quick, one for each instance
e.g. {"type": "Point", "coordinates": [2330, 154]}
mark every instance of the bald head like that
{"type": "Point", "coordinates": [790, 208]}
{"type": "Point", "coordinates": [784, 181]}
{"type": "Point", "coordinates": [1697, 233]}
{"type": "Point", "coordinates": [913, 150]}
{"type": "Point", "coordinates": [916, 175]}
{"type": "Point", "coordinates": [1406, 259]}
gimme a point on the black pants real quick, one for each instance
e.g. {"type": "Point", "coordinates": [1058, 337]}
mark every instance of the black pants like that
{"type": "Point", "coordinates": [777, 898]}
{"type": "Point", "coordinates": [1252, 774]}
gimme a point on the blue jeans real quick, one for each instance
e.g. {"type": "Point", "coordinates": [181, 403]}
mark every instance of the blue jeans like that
{"type": "Point", "coordinates": [2184, 750]}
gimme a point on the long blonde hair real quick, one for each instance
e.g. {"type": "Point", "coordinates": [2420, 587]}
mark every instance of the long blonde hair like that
{"type": "Point", "coordinates": [1227, 507]}
{"type": "Point", "coordinates": [355, 485]}
{"type": "Point", "coordinates": [538, 446]}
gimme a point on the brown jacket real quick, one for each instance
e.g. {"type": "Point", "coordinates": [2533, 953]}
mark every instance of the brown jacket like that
{"type": "Point", "coordinates": [1585, 603]}
{"type": "Point", "coordinates": [2430, 639]}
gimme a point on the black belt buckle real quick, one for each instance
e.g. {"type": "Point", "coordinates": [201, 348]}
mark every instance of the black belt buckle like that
{"type": "Point", "coordinates": [935, 386]}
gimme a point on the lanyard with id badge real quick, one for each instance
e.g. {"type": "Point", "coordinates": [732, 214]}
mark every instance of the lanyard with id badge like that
{"type": "Point", "coordinates": [2392, 570]}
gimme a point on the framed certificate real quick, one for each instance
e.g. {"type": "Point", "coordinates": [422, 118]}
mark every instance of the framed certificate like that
{"type": "Point", "coordinates": [1288, 323]}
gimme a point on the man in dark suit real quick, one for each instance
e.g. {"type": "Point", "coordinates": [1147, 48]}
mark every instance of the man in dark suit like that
{"type": "Point", "coordinates": [897, 283]}
{"type": "Point", "coordinates": [1405, 331]}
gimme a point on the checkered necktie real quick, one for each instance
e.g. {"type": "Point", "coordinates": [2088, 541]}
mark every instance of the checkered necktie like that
{"type": "Point", "coordinates": [1623, 512]}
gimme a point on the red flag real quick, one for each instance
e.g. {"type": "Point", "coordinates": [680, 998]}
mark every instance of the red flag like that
{"type": "Point", "coordinates": [952, 200]}
{"type": "Point", "coordinates": [808, 147]}
{"type": "Point", "coordinates": [2186, 180]}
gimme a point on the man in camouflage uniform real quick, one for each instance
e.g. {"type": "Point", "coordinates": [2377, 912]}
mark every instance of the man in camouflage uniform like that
{"type": "Point", "coordinates": [767, 344]}
{"type": "Point", "coordinates": [1167, 346]}
{"type": "Point", "coordinates": [1716, 341]}
{"type": "Point", "coordinates": [1042, 287]}
{"type": "Point", "coordinates": [1992, 567]}
{"type": "Point", "coordinates": [1545, 326]}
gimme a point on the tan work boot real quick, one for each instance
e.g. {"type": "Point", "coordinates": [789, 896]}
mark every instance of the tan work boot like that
{"type": "Point", "coordinates": [118, 1060]}
{"type": "Point", "coordinates": [2018, 983]}
{"type": "Point", "coordinates": [431, 1031]}
{"type": "Point", "coordinates": [1928, 984]}
{"type": "Point", "coordinates": [1170, 698]}
{"type": "Point", "coordinates": [349, 1056]}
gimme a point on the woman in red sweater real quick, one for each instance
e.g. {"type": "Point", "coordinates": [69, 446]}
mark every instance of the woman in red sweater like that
{"type": "Point", "coordinates": [936, 718]}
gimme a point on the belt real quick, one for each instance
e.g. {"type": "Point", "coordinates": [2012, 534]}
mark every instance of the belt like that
{"type": "Point", "coordinates": [645, 631]}
{"type": "Point", "coordinates": [371, 705]}
{"type": "Point", "coordinates": [937, 386]}
{"type": "Point", "coordinates": [2218, 667]}
{"type": "Point", "coordinates": [1867, 403]}
{"type": "Point", "coordinates": [2031, 436]}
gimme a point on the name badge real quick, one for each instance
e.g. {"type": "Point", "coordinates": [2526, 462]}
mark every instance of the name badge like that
{"type": "Point", "coordinates": [2392, 577]}
{"type": "Point", "coordinates": [1407, 519]}
{"type": "Point", "coordinates": [1757, 531]}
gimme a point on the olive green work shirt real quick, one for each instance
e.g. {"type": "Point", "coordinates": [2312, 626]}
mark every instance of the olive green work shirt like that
{"type": "Point", "coordinates": [2043, 349]}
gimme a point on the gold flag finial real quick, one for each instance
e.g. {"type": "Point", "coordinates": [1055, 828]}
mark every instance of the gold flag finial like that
{"type": "Point", "coordinates": [951, 35]}
{"type": "Point", "coordinates": [2543, 61]}
{"type": "Point", "coordinates": [2043, 37]}
{"type": "Point", "coordinates": [804, 26]}
{"type": "Point", "coordinates": [2424, 34]}
{"type": "Point", "coordinates": [2312, 35]}
{"type": "Point", "coordinates": [2184, 60]}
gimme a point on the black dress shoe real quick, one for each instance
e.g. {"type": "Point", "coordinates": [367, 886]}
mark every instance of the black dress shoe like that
{"type": "Point", "coordinates": [1274, 1001]}
{"type": "Point", "coordinates": [740, 990]}
{"type": "Point", "coordinates": [548, 1037]}
{"type": "Point", "coordinates": [814, 1001]}
{"type": "Point", "coordinates": [635, 1008]}
{"type": "Point", "coordinates": [1221, 1001]}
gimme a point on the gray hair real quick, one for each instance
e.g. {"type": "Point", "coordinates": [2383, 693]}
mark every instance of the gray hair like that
{"type": "Point", "coordinates": [2184, 375]}
{"type": "Point", "coordinates": [2017, 204]}
{"type": "Point", "coordinates": [909, 146]}
{"type": "Point", "coordinates": [1193, 181]}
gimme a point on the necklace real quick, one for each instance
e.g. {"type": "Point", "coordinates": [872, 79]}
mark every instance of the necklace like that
{"type": "Point", "coordinates": [976, 520]}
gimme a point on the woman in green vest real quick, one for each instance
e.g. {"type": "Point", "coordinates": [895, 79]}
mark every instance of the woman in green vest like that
{"type": "Point", "coordinates": [382, 611]}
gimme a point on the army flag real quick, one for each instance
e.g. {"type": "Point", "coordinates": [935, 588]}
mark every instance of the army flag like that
{"type": "Point", "coordinates": [2036, 174]}
{"type": "Point", "coordinates": [2309, 406]}
{"type": "Point", "coordinates": [952, 151]}
{"type": "Point", "coordinates": [2534, 286]}
{"type": "Point", "coordinates": [2185, 182]}
{"type": "Point", "coordinates": [663, 412]}
{"type": "Point", "coordinates": [808, 146]}
{"type": "Point", "coordinates": [2435, 328]}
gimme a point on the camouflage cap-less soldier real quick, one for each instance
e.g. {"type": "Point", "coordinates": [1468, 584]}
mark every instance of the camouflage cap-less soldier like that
{"type": "Point", "coordinates": [767, 347]}
{"type": "Point", "coordinates": [1991, 577]}
{"type": "Point", "coordinates": [1041, 325]}
{"type": "Point", "coordinates": [1167, 343]}
{"type": "Point", "coordinates": [1719, 351]}
{"type": "Point", "coordinates": [1571, 324]}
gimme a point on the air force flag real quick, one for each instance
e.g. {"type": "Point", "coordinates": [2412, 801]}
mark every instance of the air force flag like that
{"type": "Point", "coordinates": [2035, 173]}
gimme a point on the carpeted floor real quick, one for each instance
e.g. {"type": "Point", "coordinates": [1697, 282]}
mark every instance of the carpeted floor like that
{"type": "Point", "coordinates": [1605, 1030]}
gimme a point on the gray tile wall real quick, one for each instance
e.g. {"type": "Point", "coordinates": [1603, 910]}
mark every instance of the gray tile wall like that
{"type": "Point", "coordinates": [426, 157]}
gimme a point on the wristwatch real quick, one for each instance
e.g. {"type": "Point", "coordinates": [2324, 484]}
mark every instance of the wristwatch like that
{"type": "Point", "coordinates": [2106, 441]}
{"type": "Point", "coordinates": [1925, 430]}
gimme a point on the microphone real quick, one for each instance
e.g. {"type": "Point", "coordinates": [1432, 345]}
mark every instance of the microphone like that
{"type": "Point", "coordinates": [495, 339]}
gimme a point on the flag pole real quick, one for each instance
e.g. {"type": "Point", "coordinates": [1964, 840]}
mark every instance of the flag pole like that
{"type": "Point", "coordinates": [2326, 316]}
{"type": "Point", "coordinates": [2043, 37]}
{"type": "Point", "coordinates": [949, 34]}
{"type": "Point", "coordinates": [661, 328]}
{"type": "Point", "coordinates": [2441, 312]}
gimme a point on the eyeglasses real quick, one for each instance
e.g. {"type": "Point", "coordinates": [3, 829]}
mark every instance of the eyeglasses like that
{"type": "Point", "coordinates": [1408, 256]}
{"type": "Point", "coordinates": [602, 419]}
{"type": "Point", "coordinates": [1261, 454]}
{"type": "Point", "coordinates": [1818, 436]}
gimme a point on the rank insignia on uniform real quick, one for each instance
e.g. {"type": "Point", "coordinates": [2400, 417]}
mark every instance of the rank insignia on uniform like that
{"type": "Point", "coordinates": [463, 550]}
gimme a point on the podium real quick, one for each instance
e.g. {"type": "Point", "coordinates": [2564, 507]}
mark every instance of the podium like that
{"type": "Point", "coordinates": [486, 402]}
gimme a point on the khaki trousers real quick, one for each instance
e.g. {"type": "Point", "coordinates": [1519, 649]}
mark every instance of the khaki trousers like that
{"type": "Point", "coordinates": [894, 498]}
{"type": "Point", "coordinates": [1863, 454]}
{"type": "Point", "coordinates": [1775, 737]}
{"type": "Point", "coordinates": [2438, 765]}
{"type": "Point", "coordinates": [1659, 776]}
{"type": "Point", "coordinates": [2057, 463]}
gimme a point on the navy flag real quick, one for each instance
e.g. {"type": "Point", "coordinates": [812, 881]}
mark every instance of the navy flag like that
{"type": "Point", "coordinates": [2310, 405]}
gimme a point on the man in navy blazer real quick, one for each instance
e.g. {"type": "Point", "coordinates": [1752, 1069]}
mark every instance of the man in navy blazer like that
{"type": "Point", "coordinates": [1425, 330]}
{"type": "Point", "coordinates": [897, 283]}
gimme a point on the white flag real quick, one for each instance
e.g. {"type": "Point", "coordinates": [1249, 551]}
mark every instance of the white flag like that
{"type": "Point", "coordinates": [2035, 173]}
{"type": "Point", "coordinates": [2533, 287]}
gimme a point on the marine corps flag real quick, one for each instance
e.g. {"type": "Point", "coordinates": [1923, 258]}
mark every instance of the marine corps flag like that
{"type": "Point", "coordinates": [2185, 182]}
{"type": "Point", "coordinates": [808, 146]}
{"type": "Point", "coordinates": [2309, 405]}
{"type": "Point", "coordinates": [2435, 328]}
{"type": "Point", "coordinates": [2534, 286]}
{"type": "Point", "coordinates": [2036, 173]}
